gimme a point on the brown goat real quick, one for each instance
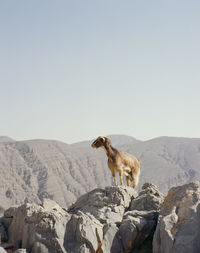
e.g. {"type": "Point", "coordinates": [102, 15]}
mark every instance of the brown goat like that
{"type": "Point", "coordinates": [120, 162]}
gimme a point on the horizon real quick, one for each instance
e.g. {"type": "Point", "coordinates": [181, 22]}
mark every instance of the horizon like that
{"type": "Point", "coordinates": [71, 71]}
{"type": "Point", "coordinates": [87, 140]}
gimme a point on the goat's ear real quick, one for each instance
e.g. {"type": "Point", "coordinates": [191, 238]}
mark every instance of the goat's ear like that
{"type": "Point", "coordinates": [108, 140]}
{"type": "Point", "coordinates": [102, 139]}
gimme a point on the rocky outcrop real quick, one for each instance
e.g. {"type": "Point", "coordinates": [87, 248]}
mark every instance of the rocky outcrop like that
{"type": "Point", "coordinates": [179, 221]}
{"type": "Point", "coordinates": [106, 205]}
{"type": "Point", "coordinates": [101, 221]}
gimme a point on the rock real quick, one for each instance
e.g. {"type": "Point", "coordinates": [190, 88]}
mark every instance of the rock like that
{"type": "Point", "coordinates": [3, 232]}
{"type": "Point", "coordinates": [83, 232]}
{"type": "Point", "coordinates": [149, 198]}
{"type": "Point", "coordinates": [136, 231]}
{"type": "Point", "coordinates": [106, 205]}
{"type": "Point", "coordinates": [111, 242]}
{"type": "Point", "coordinates": [9, 213]}
{"type": "Point", "coordinates": [100, 221]}
{"type": "Point", "coordinates": [2, 250]}
{"type": "Point", "coordinates": [178, 228]}
{"type": "Point", "coordinates": [37, 229]}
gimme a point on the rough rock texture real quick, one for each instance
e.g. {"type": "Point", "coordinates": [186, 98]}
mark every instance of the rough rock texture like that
{"type": "Point", "coordinates": [39, 228]}
{"type": "Point", "coordinates": [179, 221]}
{"type": "Point", "coordinates": [100, 221]}
{"type": "Point", "coordinates": [136, 231]}
{"type": "Point", "coordinates": [106, 205]}
{"type": "Point", "coordinates": [150, 198]}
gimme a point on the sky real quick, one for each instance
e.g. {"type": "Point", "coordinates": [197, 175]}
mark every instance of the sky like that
{"type": "Point", "coordinates": [74, 70]}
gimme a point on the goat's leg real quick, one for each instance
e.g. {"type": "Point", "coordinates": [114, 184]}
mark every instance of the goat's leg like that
{"type": "Point", "coordinates": [114, 176]}
{"type": "Point", "coordinates": [127, 181]}
{"type": "Point", "coordinates": [121, 177]}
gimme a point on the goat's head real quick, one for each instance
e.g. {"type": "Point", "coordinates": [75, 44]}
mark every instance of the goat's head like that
{"type": "Point", "coordinates": [101, 141]}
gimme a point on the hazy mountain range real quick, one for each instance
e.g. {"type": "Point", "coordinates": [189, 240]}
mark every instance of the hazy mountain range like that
{"type": "Point", "coordinates": [31, 170]}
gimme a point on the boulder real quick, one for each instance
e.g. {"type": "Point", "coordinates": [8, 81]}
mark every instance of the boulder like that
{"type": "Point", "coordinates": [37, 229]}
{"type": "Point", "coordinates": [106, 205]}
{"type": "Point", "coordinates": [150, 198]}
{"type": "Point", "coordinates": [83, 233]}
{"type": "Point", "coordinates": [178, 228]}
{"type": "Point", "coordinates": [112, 220]}
{"type": "Point", "coordinates": [136, 231]}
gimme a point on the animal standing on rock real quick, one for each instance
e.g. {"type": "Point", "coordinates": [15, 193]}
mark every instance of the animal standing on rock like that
{"type": "Point", "coordinates": [120, 162]}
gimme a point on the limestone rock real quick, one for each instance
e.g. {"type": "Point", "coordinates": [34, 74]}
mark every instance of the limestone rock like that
{"type": "Point", "coordinates": [178, 228]}
{"type": "Point", "coordinates": [111, 242]}
{"type": "Point", "coordinates": [37, 229]}
{"type": "Point", "coordinates": [83, 234]}
{"type": "Point", "coordinates": [150, 198]}
{"type": "Point", "coordinates": [136, 231]}
{"type": "Point", "coordinates": [106, 205]}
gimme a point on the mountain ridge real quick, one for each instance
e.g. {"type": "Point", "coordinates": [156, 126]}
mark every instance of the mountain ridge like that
{"type": "Point", "coordinates": [34, 169]}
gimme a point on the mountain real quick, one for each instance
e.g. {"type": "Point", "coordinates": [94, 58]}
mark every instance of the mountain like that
{"type": "Point", "coordinates": [117, 140]}
{"type": "Point", "coordinates": [168, 161]}
{"type": "Point", "coordinates": [32, 170]}
{"type": "Point", "coordinates": [6, 139]}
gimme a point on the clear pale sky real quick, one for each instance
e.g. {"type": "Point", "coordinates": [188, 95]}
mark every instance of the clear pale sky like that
{"type": "Point", "coordinates": [74, 70]}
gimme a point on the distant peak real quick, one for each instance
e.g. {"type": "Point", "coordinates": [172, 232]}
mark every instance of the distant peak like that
{"type": "Point", "coordinates": [6, 139]}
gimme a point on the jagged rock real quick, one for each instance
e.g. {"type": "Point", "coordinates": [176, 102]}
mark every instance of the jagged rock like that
{"type": "Point", "coordinates": [179, 221]}
{"type": "Point", "coordinates": [106, 205]}
{"type": "Point", "coordinates": [150, 198]}
{"type": "Point", "coordinates": [136, 231]}
{"type": "Point", "coordinates": [9, 213]}
{"type": "Point", "coordinates": [3, 232]}
{"type": "Point", "coordinates": [111, 242]}
{"type": "Point", "coordinates": [83, 232]}
{"type": "Point", "coordinates": [37, 229]}
{"type": "Point", "coordinates": [2, 250]}
{"type": "Point", "coordinates": [99, 222]}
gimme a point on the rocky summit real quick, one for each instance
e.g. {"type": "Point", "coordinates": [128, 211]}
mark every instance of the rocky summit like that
{"type": "Point", "coordinates": [114, 219]}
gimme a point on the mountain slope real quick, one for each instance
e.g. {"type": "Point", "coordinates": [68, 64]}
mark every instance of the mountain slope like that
{"type": "Point", "coordinates": [31, 170]}
{"type": "Point", "coordinates": [168, 161]}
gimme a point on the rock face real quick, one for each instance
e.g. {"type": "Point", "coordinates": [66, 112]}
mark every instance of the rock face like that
{"type": "Point", "coordinates": [149, 198]}
{"type": "Point", "coordinates": [179, 221]}
{"type": "Point", "coordinates": [100, 221]}
{"type": "Point", "coordinates": [106, 205]}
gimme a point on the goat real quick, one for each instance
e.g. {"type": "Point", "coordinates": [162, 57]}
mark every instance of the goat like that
{"type": "Point", "coordinates": [120, 162]}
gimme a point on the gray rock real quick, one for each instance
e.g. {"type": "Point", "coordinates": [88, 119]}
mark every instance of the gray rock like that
{"type": "Point", "coordinates": [3, 232]}
{"type": "Point", "coordinates": [83, 233]}
{"type": "Point", "coordinates": [178, 228]}
{"type": "Point", "coordinates": [106, 205]}
{"type": "Point", "coordinates": [137, 229]}
{"type": "Point", "coordinates": [39, 230]}
{"type": "Point", "coordinates": [111, 242]}
{"type": "Point", "coordinates": [10, 212]}
{"type": "Point", "coordinates": [150, 198]}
